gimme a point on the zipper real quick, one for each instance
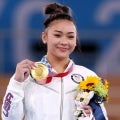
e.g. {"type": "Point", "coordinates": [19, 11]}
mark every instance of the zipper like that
{"type": "Point", "coordinates": [62, 97]}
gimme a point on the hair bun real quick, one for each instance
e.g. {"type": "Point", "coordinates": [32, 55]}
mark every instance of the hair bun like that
{"type": "Point", "coordinates": [55, 8]}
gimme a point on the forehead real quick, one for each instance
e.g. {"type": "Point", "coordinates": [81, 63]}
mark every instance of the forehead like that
{"type": "Point", "coordinates": [63, 26]}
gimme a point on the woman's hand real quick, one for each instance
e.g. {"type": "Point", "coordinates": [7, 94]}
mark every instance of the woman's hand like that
{"type": "Point", "coordinates": [23, 69]}
{"type": "Point", "coordinates": [87, 109]}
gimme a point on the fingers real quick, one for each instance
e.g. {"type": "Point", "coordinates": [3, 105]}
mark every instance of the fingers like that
{"type": "Point", "coordinates": [87, 109]}
{"type": "Point", "coordinates": [25, 66]}
{"type": "Point", "coordinates": [23, 69]}
{"type": "Point", "coordinates": [28, 63]}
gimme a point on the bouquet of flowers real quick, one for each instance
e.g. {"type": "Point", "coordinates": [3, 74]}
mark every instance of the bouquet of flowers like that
{"type": "Point", "coordinates": [92, 86]}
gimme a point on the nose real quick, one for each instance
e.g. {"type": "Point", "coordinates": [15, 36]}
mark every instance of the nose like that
{"type": "Point", "coordinates": [64, 41]}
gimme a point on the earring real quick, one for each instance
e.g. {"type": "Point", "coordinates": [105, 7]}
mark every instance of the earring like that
{"type": "Point", "coordinates": [44, 42]}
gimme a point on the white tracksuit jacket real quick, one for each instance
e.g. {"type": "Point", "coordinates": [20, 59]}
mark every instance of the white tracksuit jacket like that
{"type": "Point", "coordinates": [52, 101]}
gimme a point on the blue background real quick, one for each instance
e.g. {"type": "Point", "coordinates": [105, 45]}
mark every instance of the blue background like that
{"type": "Point", "coordinates": [98, 28]}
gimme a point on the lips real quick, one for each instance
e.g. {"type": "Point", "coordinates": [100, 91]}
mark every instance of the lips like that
{"type": "Point", "coordinates": [63, 49]}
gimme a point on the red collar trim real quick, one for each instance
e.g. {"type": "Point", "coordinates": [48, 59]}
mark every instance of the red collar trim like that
{"type": "Point", "coordinates": [49, 79]}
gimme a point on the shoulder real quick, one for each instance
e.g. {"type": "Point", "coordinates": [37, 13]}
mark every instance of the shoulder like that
{"type": "Point", "coordinates": [84, 70]}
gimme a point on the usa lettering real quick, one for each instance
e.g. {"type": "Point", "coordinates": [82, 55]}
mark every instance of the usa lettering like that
{"type": "Point", "coordinates": [7, 104]}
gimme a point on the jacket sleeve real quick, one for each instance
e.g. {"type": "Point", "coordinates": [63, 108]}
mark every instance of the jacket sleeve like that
{"type": "Point", "coordinates": [12, 107]}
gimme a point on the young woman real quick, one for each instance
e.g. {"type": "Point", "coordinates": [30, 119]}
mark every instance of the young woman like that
{"type": "Point", "coordinates": [49, 96]}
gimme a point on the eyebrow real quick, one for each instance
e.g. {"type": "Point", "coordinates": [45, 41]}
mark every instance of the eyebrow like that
{"type": "Point", "coordinates": [62, 32]}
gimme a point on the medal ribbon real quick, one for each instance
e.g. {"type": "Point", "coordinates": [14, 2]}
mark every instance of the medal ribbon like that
{"type": "Point", "coordinates": [97, 111]}
{"type": "Point", "coordinates": [51, 74]}
{"type": "Point", "coordinates": [48, 79]}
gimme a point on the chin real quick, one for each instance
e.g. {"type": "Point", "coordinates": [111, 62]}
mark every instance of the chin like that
{"type": "Point", "coordinates": [63, 56]}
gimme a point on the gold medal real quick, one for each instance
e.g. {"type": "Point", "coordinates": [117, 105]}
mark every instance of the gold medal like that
{"type": "Point", "coordinates": [40, 72]}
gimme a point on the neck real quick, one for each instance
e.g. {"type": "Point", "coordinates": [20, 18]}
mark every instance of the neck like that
{"type": "Point", "coordinates": [59, 64]}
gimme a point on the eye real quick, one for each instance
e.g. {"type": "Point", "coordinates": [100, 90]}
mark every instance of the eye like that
{"type": "Point", "coordinates": [57, 35]}
{"type": "Point", "coordinates": [71, 37]}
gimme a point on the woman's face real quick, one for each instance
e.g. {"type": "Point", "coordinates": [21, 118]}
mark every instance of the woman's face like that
{"type": "Point", "coordinates": [60, 37]}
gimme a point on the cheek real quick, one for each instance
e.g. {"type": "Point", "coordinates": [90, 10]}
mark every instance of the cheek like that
{"type": "Point", "coordinates": [73, 44]}
{"type": "Point", "coordinates": [50, 45]}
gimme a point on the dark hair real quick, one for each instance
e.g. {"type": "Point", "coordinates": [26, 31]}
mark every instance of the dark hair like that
{"type": "Point", "coordinates": [57, 11]}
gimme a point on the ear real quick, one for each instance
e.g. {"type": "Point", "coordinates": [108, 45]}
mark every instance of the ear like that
{"type": "Point", "coordinates": [44, 37]}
